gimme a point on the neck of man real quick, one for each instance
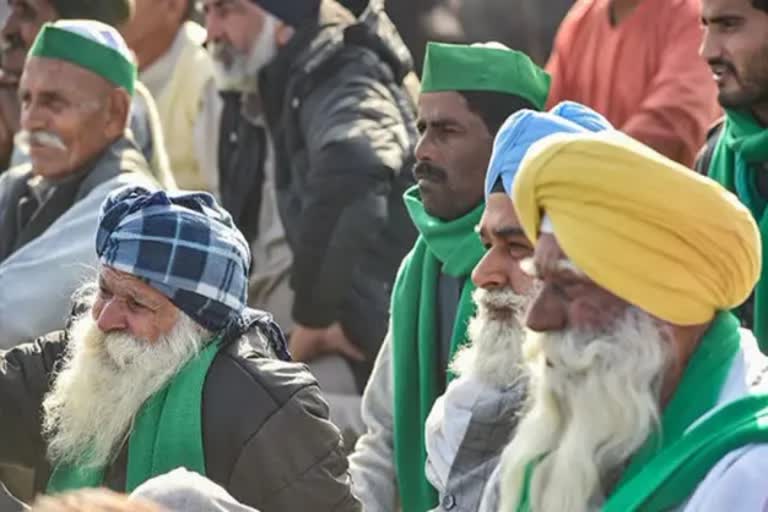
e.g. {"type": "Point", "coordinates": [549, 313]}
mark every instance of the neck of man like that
{"type": "Point", "coordinates": [149, 49]}
{"type": "Point", "coordinates": [684, 340]}
{"type": "Point", "coordinates": [620, 9]}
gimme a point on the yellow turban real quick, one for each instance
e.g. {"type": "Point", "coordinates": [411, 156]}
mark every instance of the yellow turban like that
{"type": "Point", "coordinates": [645, 228]}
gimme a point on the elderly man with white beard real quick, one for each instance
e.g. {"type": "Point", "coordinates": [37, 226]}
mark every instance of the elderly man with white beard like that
{"type": "Point", "coordinates": [473, 421]}
{"type": "Point", "coordinates": [644, 393]}
{"type": "Point", "coordinates": [169, 368]}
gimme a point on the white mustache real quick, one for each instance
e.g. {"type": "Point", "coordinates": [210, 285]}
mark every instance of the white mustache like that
{"type": "Point", "coordinates": [40, 137]}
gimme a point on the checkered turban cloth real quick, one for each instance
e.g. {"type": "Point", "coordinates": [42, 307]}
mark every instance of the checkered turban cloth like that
{"type": "Point", "coordinates": [182, 244]}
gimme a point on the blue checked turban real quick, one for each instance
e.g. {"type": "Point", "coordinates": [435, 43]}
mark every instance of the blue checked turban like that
{"type": "Point", "coordinates": [182, 244]}
{"type": "Point", "coordinates": [526, 127]}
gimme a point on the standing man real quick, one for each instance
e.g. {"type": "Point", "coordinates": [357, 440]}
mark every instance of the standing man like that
{"type": "Point", "coordinates": [179, 73]}
{"type": "Point", "coordinates": [736, 48]}
{"type": "Point", "coordinates": [18, 33]}
{"type": "Point", "coordinates": [634, 61]}
{"type": "Point", "coordinates": [467, 93]}
{"type": "Point", "coordinates": [338, 129]}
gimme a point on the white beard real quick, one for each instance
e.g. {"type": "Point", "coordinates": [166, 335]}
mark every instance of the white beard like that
{"type": "Point", "coordinates": [238, 71]}
{"type": "Point", "coordinates": [594, 401]}
{"type": "Point", "coordinates": [104, 380]}
{"type": "Point", "coordinates": [494, 354]}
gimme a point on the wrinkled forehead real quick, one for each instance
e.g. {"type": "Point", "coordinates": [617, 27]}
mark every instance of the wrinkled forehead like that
{"type": "Point", "coordinates": [124, 284]}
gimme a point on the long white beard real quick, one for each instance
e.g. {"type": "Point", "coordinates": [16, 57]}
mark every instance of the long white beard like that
{"type": "Point", "coordinates": [238, 71]}
{"type": "Point", "coordinates": [105, 379]}
{"type": "Point", "coordinates": [496, 336]}
{"type": "Point", "coordinates": [595, 399]}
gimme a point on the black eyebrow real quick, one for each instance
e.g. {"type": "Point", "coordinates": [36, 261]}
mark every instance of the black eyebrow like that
{"type": "Point", "coordinates": [509, 231]}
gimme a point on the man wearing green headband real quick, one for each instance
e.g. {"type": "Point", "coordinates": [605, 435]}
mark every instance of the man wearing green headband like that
{"type": "Point", "coordinates": [75, 102]}
{"type": "Point", "coordinates": [467, 93]}
{"type": "Point", "coordinates": [19, 30]}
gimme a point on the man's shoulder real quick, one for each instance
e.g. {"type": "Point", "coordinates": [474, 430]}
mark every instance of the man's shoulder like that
{"type": "Point", "coordinates": [736, 482]}
{"type": "Point", "coordinates": [258, 376]}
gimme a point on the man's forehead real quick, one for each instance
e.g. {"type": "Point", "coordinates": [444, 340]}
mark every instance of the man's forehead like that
{"type": "Point", "coordinates": [442, 104]}
{"type": "Point", "coordinates": [120, 282]}
{"type": "Point", "coordinates": [70, 77]}
{"type": "Point", "coordinates": [500, 217]}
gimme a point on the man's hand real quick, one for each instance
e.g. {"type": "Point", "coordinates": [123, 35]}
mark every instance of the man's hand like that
{"type": "Point", "coordinates": [307, 344]}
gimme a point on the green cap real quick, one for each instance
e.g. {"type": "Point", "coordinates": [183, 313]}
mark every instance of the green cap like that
{"type": "Point", "coordinates": [92, 45]}
{"type": "Point", "coordinates": [492, 67]}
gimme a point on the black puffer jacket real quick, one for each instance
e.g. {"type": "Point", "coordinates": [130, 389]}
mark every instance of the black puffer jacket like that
{"type": "Point", "coordinates": [343, 128]}
{"type": "Point", "coordinates": [266, 433]}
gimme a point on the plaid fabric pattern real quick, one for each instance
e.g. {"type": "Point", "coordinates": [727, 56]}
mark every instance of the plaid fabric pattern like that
{"type": "Point", "coordinates": [182, 244]}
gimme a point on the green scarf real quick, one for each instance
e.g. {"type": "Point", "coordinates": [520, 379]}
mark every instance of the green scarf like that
{"type": "Point", "coordinates": [167, 433]}
{"type": "Point", "coordinates": [667, 468]}
{"type": "Point", "coordinates": [745, 142]}
{"type": "Point", "coordinates": [456, 247]}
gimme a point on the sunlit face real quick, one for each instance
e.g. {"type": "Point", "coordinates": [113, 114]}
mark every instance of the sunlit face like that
{"type": "Point", "coordinates": [452, 154]}
{"type": "Point", "coordinates": [76, 110]}
{"type": "Point", "coordinates": [568, 299]}
{"type": "Point", "coordinates": [506, 245]}
{"type": "Point", "coordinates": [735, 45]}
{"type": "Point", "coordinates": [127, 304]}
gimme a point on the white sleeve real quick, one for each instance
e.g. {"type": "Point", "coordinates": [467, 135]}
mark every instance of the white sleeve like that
{"type": "Point", "coordinates": [372, 464]}
{"type": "Point", "coordinates": [38, 280]}
{"type": "Point", "coordinates": [737, 482]}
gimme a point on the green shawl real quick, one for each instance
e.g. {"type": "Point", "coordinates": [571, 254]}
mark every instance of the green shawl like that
{"type": "Point", "coordinates": [453, 248]}
{"type": "Point", "coordinates": [745, 142]}
{"type": "Point", "coordinates": [167, 433]}
{"type": "Point", "coordinates": [666, 470]}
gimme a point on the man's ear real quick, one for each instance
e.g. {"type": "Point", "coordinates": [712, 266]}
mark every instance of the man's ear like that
{"type": "Point", "coordinates": [118, 111]}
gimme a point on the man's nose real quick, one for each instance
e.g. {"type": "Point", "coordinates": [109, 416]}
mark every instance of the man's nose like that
{"type": "Point", "coordinates": [112, 317]}
{"type": "Point", "coordinates": [492, 272]}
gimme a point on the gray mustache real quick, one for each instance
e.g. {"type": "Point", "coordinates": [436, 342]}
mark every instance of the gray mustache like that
{"type": "Point", "coordinates": [39, 137]}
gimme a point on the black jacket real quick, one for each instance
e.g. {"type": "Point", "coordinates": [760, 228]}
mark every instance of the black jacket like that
{"type": "Point", "coordinates": [343, 127]}
{"type": "Point", "coordinates": [266, 433]}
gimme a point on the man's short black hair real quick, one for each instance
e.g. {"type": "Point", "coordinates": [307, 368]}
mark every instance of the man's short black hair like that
{"type": "Point", "coordinates": [761, 5]}
{"type": "Point", "coordinates": [494, 107]}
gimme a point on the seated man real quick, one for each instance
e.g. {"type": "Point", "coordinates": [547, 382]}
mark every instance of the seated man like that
{"type": "Point", "coordinates": [19, 30]}
{"type": "Point", "coordinates": [168, 368]}
{"type": "Point", "coordinates": [644, 392]}
{"type": "Point", "coordinates": [74, 113]}
{"type": "Point", "coordinates": [472, 422]}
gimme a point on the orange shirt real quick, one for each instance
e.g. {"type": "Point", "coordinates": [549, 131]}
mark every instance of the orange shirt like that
{"type": "Point", "coordinates": [644, 75]}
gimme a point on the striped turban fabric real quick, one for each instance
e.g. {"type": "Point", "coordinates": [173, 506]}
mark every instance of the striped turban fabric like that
{"type": "Point", "coordinates": [182, 244]}
{"type": "Point", "coordinates": [669, 241]}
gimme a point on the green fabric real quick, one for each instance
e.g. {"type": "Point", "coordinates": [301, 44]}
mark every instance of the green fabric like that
{"type": "Point", "coordinates": [670, 479]}
{"type": "Point", "coordinates": [697, 392]}
{"type": "Point", "coordinates": [453, 248]}
{"type": "Point", "coordinates": [744, 142]}
{"type": "Point", "coordinates": [167, 433]}
{"type": "Point", "coordinates": [56, 43]}
{"type": "Point", "coordinates": [696, 395]}
{"type": "Point", "coordinates": [459, 67]}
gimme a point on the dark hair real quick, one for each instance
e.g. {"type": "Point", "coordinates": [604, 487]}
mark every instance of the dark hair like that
{"type": "Point", "coordinates": [494, 107]}
{"type": "Point", "coordinates": [761, 5]}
